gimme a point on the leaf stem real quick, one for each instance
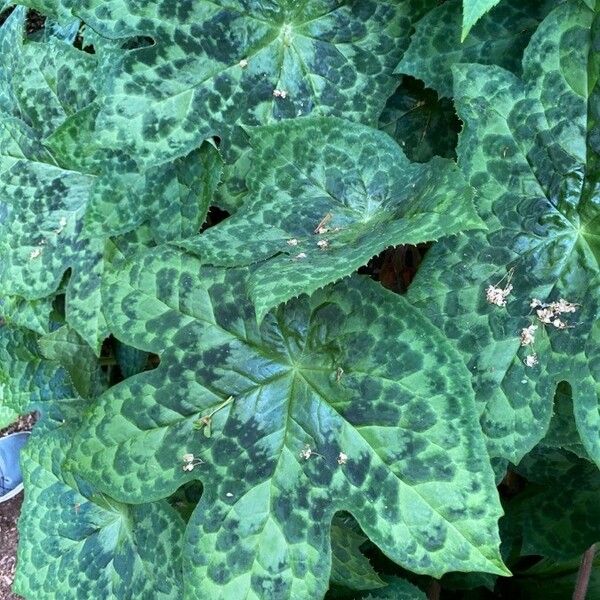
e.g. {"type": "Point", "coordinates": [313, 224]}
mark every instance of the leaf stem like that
{"type": "Point", "coordinates": [434, 591]}
{"type": "Point", "coordinates": [583, 576]}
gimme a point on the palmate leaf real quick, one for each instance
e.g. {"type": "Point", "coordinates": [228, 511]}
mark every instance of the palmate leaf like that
{"type": "Point", "coordinates": [216, 65]}
{"type": "Point", "coordinates": [498, 38]}
{"type": "Point", "coordinates": [353, 181]}
{"type": "Point", "coordinates": [190, 84]}
{"type": "Point", "coordinates": [76, 543]}
{"type": "Point", "coordinates": [524, 150]}
{"type": "Point", "coordinates": [41, 204]}
{"type": "Point", "coordinates": [48, 187]}
{"type": "Point", "coordinates": [352, 375]}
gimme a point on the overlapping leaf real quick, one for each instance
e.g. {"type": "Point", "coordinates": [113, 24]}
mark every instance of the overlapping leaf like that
{"type": "Point", "coordinates": [76, 543]}
{"type": "Point", "coordinates": [559, 513]}
{"type": "Point", "coordinates": [423, 124]}
{"type": "Point", "coordinates": [48, 184]}
{"type": "Point", "coordinates": [214, 65]}
{"type": "Point", "coordinates": [26, 377]}
{"type": "Point", "coordinates": [498, 38]}
{"type": "Point", "coordinates": [473, 10]}
{"type": "Point", "coordinates": [41, 204]}
{"type": "Point", "coordinates": [351, 375]}
{"type": "Point", "coordinates": [530, 149]}
{"type": "Point", "coordinates": [349, 566]}
{"type": "Point", "coordinates": [326, 196]}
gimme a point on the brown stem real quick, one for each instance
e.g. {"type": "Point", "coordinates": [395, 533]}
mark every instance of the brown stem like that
{"type": "Point", "coordinates": [585, 570]}
{"type": "Point", "coordinates": [434, 591]}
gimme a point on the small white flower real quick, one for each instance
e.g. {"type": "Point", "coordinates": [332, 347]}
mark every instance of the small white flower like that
{"type": "Point", "coordinates": [323, 244]}
{"type": "Point", "coordinates": [322, 230]}
{"type": "Point", "coordinates": [188, 467]}
{"type": "Point", "coordinates": [545, 315]}
{"type": "Point", "coordinates": [562, 306]}
{"type": "Point", "coordinates": [301, 255]}
{"type": "Point", "coordinates": [531, 360]}
{"type": "Point", "coordinates": [292, 242]}
{"type": "Point", "coordinates": [528, 335]}
{"type": "Point", "coordinates": [342, 458]}
{"type": "Point", "coordinates": [535, 303]}
{"type": "Point", "coordinates": [559, 324]}
{"type": "Point", "coordinates": [229, 495]}
{"type": "Point", "coordinates": [306, 452]}
{"type": "Point", "coordinates": [279, 93]}
{"type": "Point", "coordinates": [496, 295]}
{"type": "Point", "coordinates": [243, 63]}
{"type": "Point", "coordinates": [188, 458]}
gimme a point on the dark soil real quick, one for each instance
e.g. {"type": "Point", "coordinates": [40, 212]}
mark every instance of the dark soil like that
{"type": "Point", "coordinates": [9, 515]}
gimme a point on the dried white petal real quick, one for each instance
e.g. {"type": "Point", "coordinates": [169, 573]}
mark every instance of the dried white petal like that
{"type": "Point", "coordinates": [531, 360]}
{"type": "Point", "coordinates": [528, 335]}
{"type": "Point", "coordinates": [342, 458]}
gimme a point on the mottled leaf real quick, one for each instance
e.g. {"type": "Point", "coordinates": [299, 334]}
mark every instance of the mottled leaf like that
{"type": "Point", "coordinates": [423, 124]}
{"type": "Point", "coordinates": [28, 314]}
{"type": "Point", "coordinates": [498, 38]}
{"type": "Point", "coordinates": [397, 589]}
{"type": "Point", "coordinates": [473, 10]}
{"type": "Point", "coordinates": [26, 377]}
{"type": "Point", "coordinates": [326, 196]}
{"type": "Point", "coordinates": [215, 65]}
{"type": "Point", "coordinates": [77, 543]}
{"type": "Point", "coordinates": [530, 150]}
{"type": "Point", "coordinates": [349, 566]}
{"type": "Point", "coordinates": [7, 416]}
{"type": "Point", "coordinates": [41, 204]}
{"type": "Point", "coordinates": [65, 347]}
{"type": "Point", "coordinates": [352, 375]}
{"type": "Point", "coordinates": [560, 515]}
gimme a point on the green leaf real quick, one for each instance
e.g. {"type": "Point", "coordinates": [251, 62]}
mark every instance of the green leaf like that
{"type": "Point", "coordinates": [524, 151]}
{"type": "Point", "coordinates": [26, 377]}
{"type": "Point", "coordinates": [41, 204]}
{"type": "Point", "coordinates": [7, 416]}
{"type": "Point", "coordinates": [351, 374]}
{"type": "Point", "coordinates": [349, 566]}
{"type": "Point", "coordinates": [397, 589]}
{"type": "Point", "coordinates": [423, 124]}
{"type": "Point", "coordinates": [65, 347]}
{"type": "Point", "coordinates": [327, 58]}
{"type": "Point", "coordinates": [28, 314]}
{"type": "Point", "coordinates": [353, 181]}
{"type": "Point", "coordinates": [498, 38]}
{"type": "Point", "coordinates": [76, 543]}
{"type": "Point", "coordinates": [473, 10]}
{"type": "Point", "coordinates": [560, 519]}
{"type": "Point", "coordinates": [171, 199]}
{"type": "Point", "coordinates": [562, 433]}
{"type": "Point", "coordinates": [131, 361]}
